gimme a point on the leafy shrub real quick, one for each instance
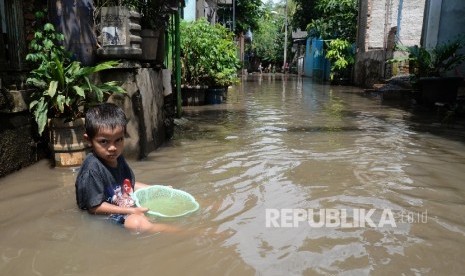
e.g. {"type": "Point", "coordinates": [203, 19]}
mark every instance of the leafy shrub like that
{"type": "Point", "coordinates": [64, 88]}
{"type": "Point", "coordinates": [208, 54]}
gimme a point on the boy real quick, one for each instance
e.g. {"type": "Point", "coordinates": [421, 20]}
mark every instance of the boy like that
{"type": "Point", "coordinates": [105, 181]}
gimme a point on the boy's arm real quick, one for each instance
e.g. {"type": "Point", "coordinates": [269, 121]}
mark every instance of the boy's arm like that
{"type": "Point", "coordinates": [139, 185]}
{"type": "Point", "coordinates": [107, 208]}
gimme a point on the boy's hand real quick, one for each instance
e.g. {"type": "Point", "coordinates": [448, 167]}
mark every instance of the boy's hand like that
{"type": "Point", "coordinates": [139, 210]}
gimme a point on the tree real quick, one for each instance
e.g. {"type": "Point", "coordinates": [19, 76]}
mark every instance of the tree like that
{"type": "Point", "coordinates": [247, 13]}
{"type": "Point", "coordinates": [336, 19]}
{"type": "Point", "coordinates": [336, 23]}
{"type": "Point", "coordinates": [268, 40]}
{"type": "Point", "coordinates": [304, 13]}
{"type": "Point", "coordinates": [340, 54]}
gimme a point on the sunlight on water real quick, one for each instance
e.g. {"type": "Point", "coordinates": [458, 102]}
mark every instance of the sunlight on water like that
{"type": "Point", "coordinates": [280, 146]}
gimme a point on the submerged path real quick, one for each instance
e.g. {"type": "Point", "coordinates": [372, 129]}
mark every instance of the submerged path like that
{"type": "Point", "coordinates": [293, 178]}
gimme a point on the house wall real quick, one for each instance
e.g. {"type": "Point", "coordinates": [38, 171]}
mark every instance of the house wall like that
{"type": "Point", "coordinates": [369, 67]}
{"type": "Point", "coordinates": [19, 143]}
{"type": "Point", "coordinates": [189, 10]}
{"type": "Point", "coordinates": [308, 60]}
{"type": "Point", "coordinates": [75, 19]}
{"type": "Point", "coordinates": [382, 23]}
{"type": "Point", "coordinates": [410, 22]}
{"type": "Point", "coordinates": [316, 65]}
{"type": "Point", "coordinates": [444, 21]}
{"type": "Point", "coordinates": [200, 8]}
{"type": "Point", "coordinates": [143, 105]}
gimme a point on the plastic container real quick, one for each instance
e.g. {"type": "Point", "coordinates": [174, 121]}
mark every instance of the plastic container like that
{"type": "Point", "coordinates": [164, 201]}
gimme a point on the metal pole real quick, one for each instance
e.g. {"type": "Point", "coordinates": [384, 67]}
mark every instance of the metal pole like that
{"type": "Point", "coordinates": [285, 39]}
{"type": "Point", "coordinates": [177, 49]}
{"type": "Point", "coordinates": [234, 15]}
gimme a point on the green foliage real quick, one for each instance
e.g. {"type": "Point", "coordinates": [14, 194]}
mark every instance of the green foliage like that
{"type": "Point", "coordinates": [304, 13]}
{"type": "Point", "coordinates": [153, 14]}
{"type": "Point", "coordinates": [432, 62]}
{"type": "Point", "coordinates": [208, 54]}
{"type": "Point", "coordinates": [268, 41]}
{"type": "Point", "coordinates": [336, 19]}
{"type": "Point", "coordinates": [247, 15]}
{"type": "Point", "coordinates": [339, 53]}
{"type": "Point", "coordinates": [64, 88]}
{"type": "Point", "coordinates": [46, 43]}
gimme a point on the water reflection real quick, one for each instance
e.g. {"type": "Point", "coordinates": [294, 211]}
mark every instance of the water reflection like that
{"type": "Point", "coordinates": [279, 143]}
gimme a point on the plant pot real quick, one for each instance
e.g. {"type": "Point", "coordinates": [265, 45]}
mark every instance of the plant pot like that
{"type": "Point", "coordinates": [193, 95]}
{"type": "Point", "coordinates": [215, 95]}
{"type": "Point", "coordinates": [438, 89]}
{"type": "Point", "coordinates": [149, 44]}
{"type": "Point", "coordinates": [67, 142]}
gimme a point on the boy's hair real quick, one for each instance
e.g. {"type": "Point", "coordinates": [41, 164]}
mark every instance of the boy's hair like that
{"type": "Point", "coordinates": [105, 115]}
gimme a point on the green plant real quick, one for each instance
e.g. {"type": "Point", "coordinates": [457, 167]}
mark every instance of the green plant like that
{"type": "Point", "coordinates": [334, 19]}
{"type": "Point", "coordinates": [208, 54]}
{"type": "Point", "coordinates": [248, 12]}
{"type": "Point", "coordinates": [268, 40]}
{"type": "Point", "coordinates": [64, 88]}
{"type": "Point", "coordinates": [339, 53]}
{"type": "Point", "coordinates": [432, 62]}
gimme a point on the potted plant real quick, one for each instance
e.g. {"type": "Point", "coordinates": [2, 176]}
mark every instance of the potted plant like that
{"type": "Point", "coordinates": [208, 58]}
{"type": "Point", "coordinates": [429, 70]}
{"type": "Point", "coordinates": [154, 18]}
{"type": "Point", "coordinates": [63, 91]}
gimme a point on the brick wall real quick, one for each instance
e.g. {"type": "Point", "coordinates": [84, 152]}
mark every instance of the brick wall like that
{"type": "Point", "coordinates": [377, 20]}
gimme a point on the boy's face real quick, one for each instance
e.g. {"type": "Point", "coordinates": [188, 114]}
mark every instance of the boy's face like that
{"type": "Point", "coordinates": [108, 144]}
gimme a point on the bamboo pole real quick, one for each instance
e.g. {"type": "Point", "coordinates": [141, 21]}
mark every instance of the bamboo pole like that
{"type": "Point", "coordinates": [177, 46]}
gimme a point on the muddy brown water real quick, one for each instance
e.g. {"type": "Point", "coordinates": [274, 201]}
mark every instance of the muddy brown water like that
{"type": "Point", "coordinates": [259, 164]}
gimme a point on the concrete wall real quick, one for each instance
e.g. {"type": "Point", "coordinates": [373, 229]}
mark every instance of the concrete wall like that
{"type": "Point", "coordinates": [369, 67]}
{"type": "Point", "coordinates": [444, 21]}
{"type": "Point", "coordinates": [143, 105]}
{"type": "Point", "coordinates": [410, 22]}
{"type": "Point", "coordinates": [19, 143]}
{"type": "Point", "coordinates": [75, 20]}
{"type": "Point", "coordinates": [200, 8]}
{"type": "Point", "coordinates": [377, 20]}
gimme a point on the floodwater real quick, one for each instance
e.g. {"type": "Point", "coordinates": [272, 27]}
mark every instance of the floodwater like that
{"type": "Point", "coordinates": [293, 178]}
